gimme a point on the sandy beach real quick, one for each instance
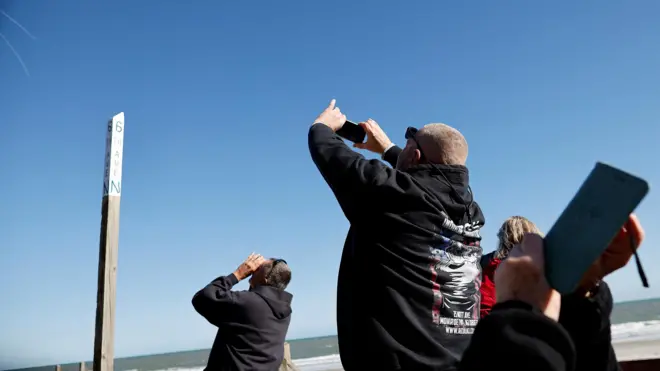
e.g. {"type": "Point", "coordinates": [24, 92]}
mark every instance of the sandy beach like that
{"type": "Point", "coordinates": [634, 350]}
{"type": "Point", "coordinates": [627, 351]}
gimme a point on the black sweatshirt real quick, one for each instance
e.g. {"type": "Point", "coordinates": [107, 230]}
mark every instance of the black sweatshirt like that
{"type": "Point", "coordinates": [587, 320]}
{"type": "Point", "coordinates": [515, 336]}
{"type": "Point", "coordinates": [252, 325]}
{"type": "Point", "coordinates": [408, 284]}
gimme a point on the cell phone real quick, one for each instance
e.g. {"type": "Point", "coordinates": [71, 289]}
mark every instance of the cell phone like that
{"type": "Point", "coordinates": [352, 131]}
{"type": "Point", "coordinates": [591, 220]}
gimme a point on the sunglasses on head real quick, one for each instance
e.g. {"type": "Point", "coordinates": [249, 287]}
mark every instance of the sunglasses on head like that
{"type": "Point", "coordinates": [274, 264]}
{"type": "Point", "coordinates": [411, 133]}
{"type": "Point", "coordinates": [278, 261]}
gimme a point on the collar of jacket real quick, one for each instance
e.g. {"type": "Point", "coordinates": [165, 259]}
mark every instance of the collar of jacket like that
{"type": "Point", "coordinates": [456, 174]}
{"type": "Point", "coordinates": [272, 292]}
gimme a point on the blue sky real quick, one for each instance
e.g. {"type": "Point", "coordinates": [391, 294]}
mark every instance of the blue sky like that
{"type": "Point", "coordinates": [218, 99]}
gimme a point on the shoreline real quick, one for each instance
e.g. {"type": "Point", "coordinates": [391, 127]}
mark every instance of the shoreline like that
{"type": "Point", "coordinates": [626, 351]}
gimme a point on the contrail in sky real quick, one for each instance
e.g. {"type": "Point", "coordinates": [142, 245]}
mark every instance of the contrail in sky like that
{"type": "Point", "coordinates": [11, 47]}
{"type": "Point", "coordinates": [20, 60]}
{"type": "Point", "coordinates": [18, 24]}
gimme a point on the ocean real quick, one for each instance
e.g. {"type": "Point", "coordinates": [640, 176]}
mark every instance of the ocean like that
{"type": "Point", "coordinates": [631, 321]}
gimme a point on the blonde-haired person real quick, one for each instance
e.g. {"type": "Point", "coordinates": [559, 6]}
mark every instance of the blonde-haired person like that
{"type": "Point", "coordinates": [510, 234]}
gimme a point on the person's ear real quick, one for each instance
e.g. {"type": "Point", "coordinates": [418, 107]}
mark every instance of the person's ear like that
{"type": "Point", "coordinates": [417, 155]}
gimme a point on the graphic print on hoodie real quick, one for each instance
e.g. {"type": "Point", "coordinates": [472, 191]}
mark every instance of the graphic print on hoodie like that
{"type": "Point", "coordinates": [456, 277]}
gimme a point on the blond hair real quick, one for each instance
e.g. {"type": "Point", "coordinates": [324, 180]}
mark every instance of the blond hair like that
{"type": "Point", "coordinates": [511, 233]}
{"type": "Point", "coordinates": [444, 145]}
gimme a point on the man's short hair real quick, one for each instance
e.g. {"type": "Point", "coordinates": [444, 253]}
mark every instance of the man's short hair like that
{"type": "Point", "coordinates": [278, 274]}
{"type": "Point", "coordinates": [443, 144]}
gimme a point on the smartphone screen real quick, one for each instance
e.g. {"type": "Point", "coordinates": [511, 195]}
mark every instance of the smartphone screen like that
{"type": "Point", "coordinates": [352, 131]}
{"type": "Point", "coordinates": [589, 223]}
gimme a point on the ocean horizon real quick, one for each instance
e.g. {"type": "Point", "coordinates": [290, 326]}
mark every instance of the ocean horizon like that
{"type": "Point", "coordinates": [631, 321]}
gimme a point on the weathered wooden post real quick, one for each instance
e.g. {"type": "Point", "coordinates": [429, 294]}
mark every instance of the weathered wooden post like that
{"type": "Point", "coordinates": [82, 367]}
{"type": "Point", "coordinates": [58, 368]}
{"type": "Point", "coordinates": [287, 363]}
{"type": "Point", "coordinates": [109, 242]}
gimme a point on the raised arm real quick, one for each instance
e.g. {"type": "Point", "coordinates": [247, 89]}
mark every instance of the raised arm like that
{"type": "Point", "coordinates": [347, 172]}
{"type": "Point", "coordinates": [216, 301]}
{"type": "Point", "coordinates": [378, 142]}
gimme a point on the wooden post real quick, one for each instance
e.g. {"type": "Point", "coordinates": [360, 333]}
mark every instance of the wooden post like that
{"type": "Point", "coordinates": [287, 364]}
{"type": "Point", "coordinates": [109, 242]}
{"type": "Point", "coordinates": [82, 367]}
{"type": "Point", "coordinates": [287, 352]}
{"type": "Point", "coordinates": [58, 368]}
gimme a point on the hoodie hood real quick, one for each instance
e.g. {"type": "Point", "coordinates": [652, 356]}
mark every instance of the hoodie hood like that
{"type": "Point", "coordinates": [278, 300]}
{"type": "Point", "coordinates": [449, 186]}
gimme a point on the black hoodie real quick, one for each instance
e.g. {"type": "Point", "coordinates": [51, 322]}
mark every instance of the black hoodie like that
{"type": "Point", "coordinates": [516, 336]}
{"type": "Point", "coordinates": [252, 325]}
{"type": "Point", "coordinates": [408, 285]}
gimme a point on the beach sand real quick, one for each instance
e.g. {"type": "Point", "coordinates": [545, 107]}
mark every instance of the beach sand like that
{"type": "Point", "coordinates": [634, 350]}
{"type": "Point", "coordinates": [628, 351]}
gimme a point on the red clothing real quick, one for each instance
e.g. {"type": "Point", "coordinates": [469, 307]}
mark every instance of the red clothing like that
{"type": "Point", "coordinates": [489, 265]}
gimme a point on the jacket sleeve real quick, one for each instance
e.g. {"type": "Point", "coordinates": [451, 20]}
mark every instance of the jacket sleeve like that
{"type": "Point", "coordinates": [216, 301]}
{"type": "Point", "coordinates": [587, 320]}
{"type": "Point", "coordinates": [347, 172]}
{"type": "Point", "coordinates": [391, 156]}
{"type": "Point", "coordinates": [513, 337]}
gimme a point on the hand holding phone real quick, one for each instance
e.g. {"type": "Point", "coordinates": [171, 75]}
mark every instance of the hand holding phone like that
{"type": "Point", "coordinates": [589, 223]}
{"type": "Point", "coordinates": [377, 141]}
{"type": "Point", "coordinates": [352, 132]}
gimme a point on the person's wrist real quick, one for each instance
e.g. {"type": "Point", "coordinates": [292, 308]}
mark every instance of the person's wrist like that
{"type": "Point", "coordinates": [334, 129]}
{"type": "Point", "coordinates": [240, 275]}
{"type": "Point", "coordinates": [386, 148]}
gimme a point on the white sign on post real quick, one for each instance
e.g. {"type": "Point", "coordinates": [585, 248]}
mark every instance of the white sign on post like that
{"type": "Point", "coordinates": [114, 153]}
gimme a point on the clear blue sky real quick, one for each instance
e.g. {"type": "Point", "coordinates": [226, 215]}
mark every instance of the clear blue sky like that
{"type": "Point", "coordinates": [218, 98]}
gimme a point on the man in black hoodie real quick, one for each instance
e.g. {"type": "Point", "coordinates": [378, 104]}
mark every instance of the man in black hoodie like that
{"type": "Point", "coordinates": [252, 325]}
{"type": "Point", "coordinates": [408, 285]}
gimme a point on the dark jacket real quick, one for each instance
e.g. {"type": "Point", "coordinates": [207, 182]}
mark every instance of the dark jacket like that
{"type": "Point", "coordinates": [408, 284]}
{"type": "Point", "coordinates": [251, 325]}
{"type": "Point", "coordinates": [587, 320]}
{"type": "Point", "coordinates": [517, 337]}
{"type": "Point", "coordinates": [488, 266]}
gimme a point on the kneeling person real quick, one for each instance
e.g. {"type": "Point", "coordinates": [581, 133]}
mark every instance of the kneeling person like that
{"type": "Point", "coordinates": [252, 325]}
